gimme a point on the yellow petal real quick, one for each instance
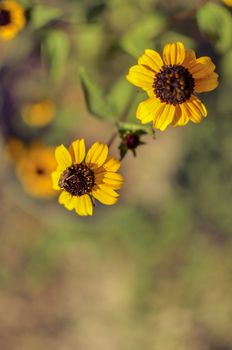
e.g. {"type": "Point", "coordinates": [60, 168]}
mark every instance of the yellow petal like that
{"type": "Point", "coordinates": [189, 56]}
{"type": "Point", "coordinates": [112, 164]}
{"type": "Point", "coordinates": [174, 53]}
{"type": "Point", "coordinates": [177, 116]}
{"type": "Point", "coordinates": [140, 76]}
{"type": "Point", "coordinates": [113, 180]}
{"type": "Point", "coordinates": [104, 197]}
{"type": "Point", "coordinates": [108, 190]}
{"type": "Point", "coordinates": [147, 109]}
{"type": "Point", "coordinates": [77, 150]}
{"type": "Point", "coordinates": [182, 115]}
{"type": "Point", "coordinates": [152, 60]}
{"type": "Point", "coordinates": [201, 68]}
{"type": "Point", "coordinates": [197, 109]}
{"type": "Point", "coordinates": [55, 179]}
{"type": "Point", "coordinates": [63, 157]}
{"type": "Point", "coordinates": [97, 154]}
{"type": "Point", "coordinates": [163, 116]}
{"type": "Point", "coordinates": [207, 84]}
{"type": "Point", "coordinates": [67, 200]}
{"type": "Point", "coordinates": [84, 206]}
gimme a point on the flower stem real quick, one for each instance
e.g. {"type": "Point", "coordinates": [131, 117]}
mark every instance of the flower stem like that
{"type": "Point", "coordinates": [122, 118]}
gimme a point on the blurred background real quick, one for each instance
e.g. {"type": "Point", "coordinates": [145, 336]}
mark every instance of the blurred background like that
{"type": "Point", "coordinates": [154, 271]}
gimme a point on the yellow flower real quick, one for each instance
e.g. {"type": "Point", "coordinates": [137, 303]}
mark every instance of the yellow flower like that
{"type": "Point", "coordinates": [228, 2]}
{"type": "Point", "coordinates": [34, 170]}
{"type": "Point", "coordinates": [171, 83]}
{"type": "Point", "coordinates": [12, 19]}
{"type": "Point", "coordinates": [38, 114]}
{"type": "Point", "coordinates": [14, 149]}
{"type": "Point", "coordinates": [83, 178]}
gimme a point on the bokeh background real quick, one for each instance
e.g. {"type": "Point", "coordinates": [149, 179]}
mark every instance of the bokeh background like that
{"type": "Point", "coordinates": [154, 271]}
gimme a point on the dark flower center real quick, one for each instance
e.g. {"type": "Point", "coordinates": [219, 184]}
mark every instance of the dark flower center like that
{"type": "Point", "coordinates": [77, 180]}
{"type": "Point", "coordinates": [4, 17]}
{"type": "Point", "coordinates": [174, 84]}
{"type": "Point", "coordinates": [40, 171]}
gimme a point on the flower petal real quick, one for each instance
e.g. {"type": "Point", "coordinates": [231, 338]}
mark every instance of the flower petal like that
{"type": "Point", "coordinates": [63, 157]}
{"type": "Point", "coordinates": [67, 200]}
{"type": "Point", "coordinates": [197, 109]}
{"type": "Point", "coordinates": [174, 53]}
{"type": "Point", "coordinates": [112, 164]}
{"type": "Point", "coordinates": [55, 179]}
{"type": "Point", "coordinates": [108, 190]}
{"type": "Point", "coordinates": [201, 68]}
{"type": "Point", "coordinates": [147, 109]}
{"type": "Point", "coordinates": [84, 206]}
{"type": "Point", "coordinates": [207, 84]}
{"type": "Point", "coordinates": [141, 76]}
{"type": "Point", "coordinates": [104, 197]}
{"type": "Point", "coordinates": [189, 56]}
{"type": "Point", "coordinates": [163, 116]}
{"type": "Point", "coordinates": [97, 154]}
{"type": "Point", "coordinates": [151, 60]}
{"type": "Point", "coordinates": [77, 150]}
{"type": "Point", "coordinates": [113, 180]}
{"type": "Point", "coordinates": [182, 115]}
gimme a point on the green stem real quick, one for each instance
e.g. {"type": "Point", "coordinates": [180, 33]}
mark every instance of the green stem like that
{"type": "Point", "coordinates": [122, 118]}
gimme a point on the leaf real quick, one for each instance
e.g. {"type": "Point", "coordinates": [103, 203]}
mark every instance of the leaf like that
{"type": "Point", "coordinates": [138, 129]}
{"type": "Point", "coordinates": [227, 66]}
{"type": "Point", "coordinates": [89, 43]}
{"type": "Point", "coordinates": [42, 15]}
{"type": "Point", "coordinates": [96, 103]}
{"type": "Point", "coordinates": [140, 36]}
{"type": "Point", "coordinates": [55, 49]}
{"type": "Point", "coordinates": [120, 94]}
{"type": "Point", "coordinates": [215, 22]}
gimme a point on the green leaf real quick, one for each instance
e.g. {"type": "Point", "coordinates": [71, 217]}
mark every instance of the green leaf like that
{"type": "Point", "coordinates": [140, 36]}
{"type": "Point", "coordinates": [42, 15]}
{"type": "Point", "coordinates": [89, 43]}
{"type": "Point", "coordinates": [215, 22]}
{"type": "Point", "coordinates": [55, 49]}
{"type": "Point", "coordinates": [138, 129]}
{"type": "Point", "coordinates": [227, 66]}
{"type": "Point", "coordinates": [120, 94]}
{"type": "Point", "coordinates": [95, 100]}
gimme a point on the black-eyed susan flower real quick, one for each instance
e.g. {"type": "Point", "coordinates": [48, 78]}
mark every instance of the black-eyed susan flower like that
{"type": "Point", "coordinates": [12, 19]}
{"type": "Point", "coordinates": [84, 177]}
{"type": "Point", "coordinates": [38, 114]}
{"type": "Point", "coordinates": [34, 170]}
{"type": "Point", "coordinates": [228, 2]}
{"type": "Point", "coordinates": [171, 83]}
{"type": "Point", "coordinates": [14, 149]}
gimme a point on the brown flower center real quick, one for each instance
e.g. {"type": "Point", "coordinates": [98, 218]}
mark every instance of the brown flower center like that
{"type": "Point", "coordinates": [174, 84]}
{"type": "Point", "coordinates": [77, 180]}
{"type": "Point", "coordinates": [5, 18]}
{"type": "Point", "coordinates": [40, 171]}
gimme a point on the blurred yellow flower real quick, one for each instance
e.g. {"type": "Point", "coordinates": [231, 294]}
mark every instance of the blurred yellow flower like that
{"type": "Point", "coordinates": [83, 178]}
{"type": "Point", "coordinates": [38, 114]}
{"type": "Point", "coordinates": [14, 149]}
{"type": "Point", "coordinates": [34, 170]}
{"type": "Point", "coordinates": [228, 2]}
{"type": "Point", "coordinates": [171, 83]}
{"type": "Point", "coordinates": [12, 19]}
